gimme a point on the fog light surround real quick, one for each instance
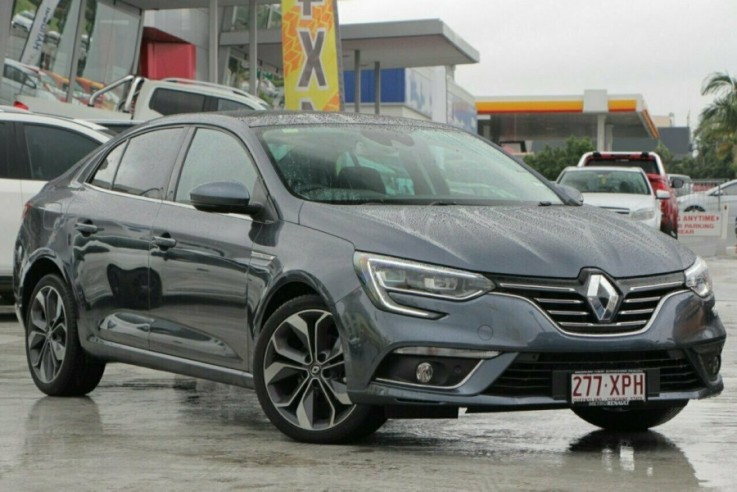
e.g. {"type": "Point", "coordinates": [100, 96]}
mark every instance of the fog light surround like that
{"type": "Point", "coordinates": [431, 367]}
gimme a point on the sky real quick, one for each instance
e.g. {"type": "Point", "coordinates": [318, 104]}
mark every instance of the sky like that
{"type": "Point", "coordinates": [661, 49]}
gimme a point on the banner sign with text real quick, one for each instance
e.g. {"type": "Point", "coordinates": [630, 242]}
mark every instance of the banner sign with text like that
{"type": "Point", "coordinates": [311, 51]}
{"type": "Point", "coordinates": [37, 35]}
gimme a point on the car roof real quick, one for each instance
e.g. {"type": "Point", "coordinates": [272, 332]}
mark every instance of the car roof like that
{"type": "Point", "coordinates": [255, 119]}
{"type": "Point", "coordinates": [590, 169]}
{"type": "Point", "coordinates": [90, 129]}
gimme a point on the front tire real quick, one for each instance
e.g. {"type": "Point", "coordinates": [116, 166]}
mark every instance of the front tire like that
{"type": "Point", "coordinates": [628, 419]}
{"type": "Point", "coordinates": [58, 364]}
{"type": "Point", "coordinates": [299, 373]}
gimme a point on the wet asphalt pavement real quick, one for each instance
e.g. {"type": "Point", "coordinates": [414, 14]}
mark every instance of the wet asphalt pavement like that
{"type": "Point", "coordinates": [147, 430]}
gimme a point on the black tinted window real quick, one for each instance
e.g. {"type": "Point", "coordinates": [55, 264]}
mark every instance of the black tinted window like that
{"type": "Point", "coordinates": [52, 151]}
{"type": "Point", "coordinates": [167, 101]}
{"type": "Point", "coordinates": [147, 162]}
{"type": "Point", "coordinates": [228, 105]}
{"type": "Point", "coordinates": [214, 156]}
{"type": "Point", "coordinates": [4, 149]}
{"type": "Point", "coordinates": [106, 172]}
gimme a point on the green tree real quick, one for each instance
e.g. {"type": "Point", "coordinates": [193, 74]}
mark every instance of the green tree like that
{"type": "Point", "coordinates": [718, 124]}
{"type": "Point", "coordinates": [552, 160]}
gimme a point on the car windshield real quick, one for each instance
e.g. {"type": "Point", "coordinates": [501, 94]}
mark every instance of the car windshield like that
{"type": "Point", "coordinates": [601, 181]}
{"type": "Point", "coordinates": [362, 163]}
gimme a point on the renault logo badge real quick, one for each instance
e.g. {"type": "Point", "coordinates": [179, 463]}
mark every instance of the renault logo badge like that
{"type": "Point", "coordinates": [602, 297]}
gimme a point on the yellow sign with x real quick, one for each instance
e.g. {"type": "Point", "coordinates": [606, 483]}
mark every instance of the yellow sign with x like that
{"type": "Point", "coordinates": [310, 52]}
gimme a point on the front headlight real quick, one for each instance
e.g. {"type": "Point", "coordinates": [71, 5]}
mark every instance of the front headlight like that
{"type": "Point", "coordinates": [643, 214]}
{"type": "Point", "coordinates": [384, 275]}
{"type": "Point", "coordinates": [698, 278]}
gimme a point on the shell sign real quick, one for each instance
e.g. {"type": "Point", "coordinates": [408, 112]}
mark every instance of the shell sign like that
{"type": "Point", "coordinates": [310, 51]}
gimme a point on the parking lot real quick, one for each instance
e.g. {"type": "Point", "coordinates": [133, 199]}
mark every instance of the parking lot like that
{"type": "Point", "coordinates": [146, 430]}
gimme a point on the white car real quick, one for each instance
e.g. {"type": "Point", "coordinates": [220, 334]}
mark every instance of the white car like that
{"type": "Point", "coordinates": [34, 149]}
{"type": "Point", "coordinates": [19, 79]}
{"type": "Point", "coordinates": [709, 200]}
{"type": "Point", "coordinates": [624, 190]}
{"type": "Point", "coordinates": [23, 20]}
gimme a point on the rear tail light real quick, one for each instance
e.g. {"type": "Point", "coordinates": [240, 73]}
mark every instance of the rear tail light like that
{"type": "Point", "coordinates": [26, 209]}
{"type": "Point", "coordinates": [20, 105]}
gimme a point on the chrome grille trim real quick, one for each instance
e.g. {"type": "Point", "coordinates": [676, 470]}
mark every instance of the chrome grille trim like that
{"type": "Point", "coordinates": [565, 303]}
{"type": "Point", "coordinates": [559, 301]}
{"type": "Point", "coordinates": [640, 288]}
{"type": "Point", "coordinates": [593, 335]}
{"type": "Point", "coordinates": [548, 288]}
{"type": "Point", "coordinates": [630, 312]}
{"type": "Point", "coordinates": [640, 300]}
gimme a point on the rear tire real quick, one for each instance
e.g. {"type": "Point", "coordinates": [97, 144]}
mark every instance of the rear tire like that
{"type": "Point", "coordinates": [628, 420]}
{"type": "Point", "coordinates": [58, 364]}
{"type": "Point", "coordinates": [299, 373]}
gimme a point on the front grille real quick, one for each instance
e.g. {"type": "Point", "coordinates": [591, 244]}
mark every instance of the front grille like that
{"type": "Point", "coordinates": [564, 301]}
{"type": "Point", "coordinates": [532, 374]}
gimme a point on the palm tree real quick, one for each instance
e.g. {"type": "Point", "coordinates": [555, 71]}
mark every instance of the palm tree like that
{"type": "Point", "coordinates": [718, 125]}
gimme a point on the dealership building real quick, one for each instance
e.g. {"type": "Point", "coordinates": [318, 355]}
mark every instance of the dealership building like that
{"type": "Point", "coordinates": [407, 68]}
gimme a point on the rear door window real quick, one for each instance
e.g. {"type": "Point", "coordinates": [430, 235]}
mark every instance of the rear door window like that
{"type": "Point", "coordinates": [52, 151]}
{"type": "Point", "coordinates": [5, 142]}
{"type": "Point", "coordinates": [147, 162]}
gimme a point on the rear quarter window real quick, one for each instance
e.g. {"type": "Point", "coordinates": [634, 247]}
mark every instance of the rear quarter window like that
{"type": "Point", "coordinates": [168, 101]}
{"type": "Point", "coordinates": [52, 151]}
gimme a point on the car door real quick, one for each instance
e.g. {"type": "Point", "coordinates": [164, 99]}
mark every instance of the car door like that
{"type": "Point", "coordinates": [202, 259]}
{"type": "Point", "coordinates": [729, 197]}
{"type": "Point", "coordinates": [11, 201]}
{"type": "Point", "coordinates": [114, 213]}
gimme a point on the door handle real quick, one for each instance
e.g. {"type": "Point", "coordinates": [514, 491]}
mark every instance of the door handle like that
{"type": "Point", "coordinates": [86, 227]}
{"type": "Point", "coordinates": [165, 241]}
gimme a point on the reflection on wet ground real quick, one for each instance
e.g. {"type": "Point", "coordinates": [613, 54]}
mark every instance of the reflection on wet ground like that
{"type": "Point", "coordinates": [146, 430]}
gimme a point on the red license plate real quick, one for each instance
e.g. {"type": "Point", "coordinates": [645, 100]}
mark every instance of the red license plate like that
{"type": "Point", "coordinates": [607, 388]}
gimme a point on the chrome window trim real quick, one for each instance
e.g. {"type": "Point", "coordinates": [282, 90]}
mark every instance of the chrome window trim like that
{"type": "Point", "coordinates": [121, 193]}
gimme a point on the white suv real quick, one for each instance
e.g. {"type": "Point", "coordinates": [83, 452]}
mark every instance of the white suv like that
{"type": "Point", "coordinates": [33, 150]}
{"type": "Point", "coordinates": [141, 99]}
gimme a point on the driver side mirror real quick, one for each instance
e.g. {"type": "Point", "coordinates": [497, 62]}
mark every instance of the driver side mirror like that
{"type": "Point", "coordinates": [223, 197]}
{"type": "Point", "coordinates": [662, 195]}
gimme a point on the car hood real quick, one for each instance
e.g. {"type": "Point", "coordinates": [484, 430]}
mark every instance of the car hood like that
{"type": "Point", "coordinates": [553, 241]}
{"type": "Point", "coordinates": [619, 200]}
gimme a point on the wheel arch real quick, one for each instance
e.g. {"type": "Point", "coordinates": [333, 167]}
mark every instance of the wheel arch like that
{"type": "Point", "coordinates": [40, 267]}
{"type": "Point", "coordinates": [286, 288]}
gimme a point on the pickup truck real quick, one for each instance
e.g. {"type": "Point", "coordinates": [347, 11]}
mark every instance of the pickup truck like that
{"type": "Point", "coordinates": [140, 99]}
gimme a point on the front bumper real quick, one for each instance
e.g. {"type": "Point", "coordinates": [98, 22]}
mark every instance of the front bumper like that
{"type": "Point", "coordinates": [684, 328]}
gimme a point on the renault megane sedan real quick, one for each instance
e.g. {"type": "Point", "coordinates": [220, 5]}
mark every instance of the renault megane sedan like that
{"type": "Point", "coordinates": [352, 269]}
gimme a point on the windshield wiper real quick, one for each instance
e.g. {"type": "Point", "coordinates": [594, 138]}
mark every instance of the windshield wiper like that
{"type": "Point", "coordinates": [544, 204]}
{"type": "Point", "coordinates": [442, 203]}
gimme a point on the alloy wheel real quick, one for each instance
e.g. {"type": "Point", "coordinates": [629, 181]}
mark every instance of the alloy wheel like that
{"type": "Point", "coordinates": [304, 371]}
{"type": "Point", "coordinates": [47, 334]}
